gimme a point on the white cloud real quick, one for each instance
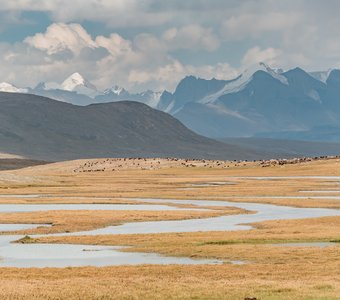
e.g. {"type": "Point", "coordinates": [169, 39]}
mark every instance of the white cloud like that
{"type": "Point", "coordinates": [169, 75]}
{"type": "Point", "coordinates": [191, 37]}
{"type": "Point", "coordinates": [256, 24]}
{"type": "Point", "coordinates": [142, 62]}
{"type": "Point", "coordinates": [165, 36]}
{"type": "Point", "coordinates": [256, 55]}
{"type": "Point", "coordinates": [60, 37]}
{"type": "Point", "coordinates": [117, 13]}
{"type": "Point", "coordinates": [115, 44]}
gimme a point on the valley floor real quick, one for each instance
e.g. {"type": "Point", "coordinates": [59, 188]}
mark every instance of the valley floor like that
{"type": "Point", "coordinates": [270, 270]}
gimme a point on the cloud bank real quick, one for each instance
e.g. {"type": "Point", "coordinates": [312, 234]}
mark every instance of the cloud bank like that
{"type": "Point", "coordinates": [153, 44]}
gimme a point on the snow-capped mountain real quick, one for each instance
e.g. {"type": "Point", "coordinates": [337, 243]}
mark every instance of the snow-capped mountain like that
{"type": "Point", "coordinates": [241, 81]}
{"type": "Point", "coordinates": [74, 89]}
{"type": "Point", "coordinates": [78, 90]}
{"type": "Point", "coordinates": [76, 80]}
{"type": "Point", "coordinates": [259, 101]}
{"type": "Point", "coordinates": [117, 93]}
{"type": "Point", "coordinates": [117, 90]}
{"type": "Point", "coordinates": [77, 83]}
{"type": "Point", "coordinates": [218, 88]}
{"type": "Point", "coordinates": [321, 75]}
{"type": "Point", "coordinates": [150, 98]}
{"type": "Point", "coordinates": [10, 88]}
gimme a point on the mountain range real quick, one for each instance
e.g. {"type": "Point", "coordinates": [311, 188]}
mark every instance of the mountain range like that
{"type": "Point", "coordinates": [260, 102]}
{"type": "Point", "coordinates": [78, 90]}
{"type": "Point", "coordinates": [41, 128]}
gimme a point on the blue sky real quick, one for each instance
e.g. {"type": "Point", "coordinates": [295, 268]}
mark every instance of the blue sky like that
{"type": "Point", "coordinates": [141, 44]}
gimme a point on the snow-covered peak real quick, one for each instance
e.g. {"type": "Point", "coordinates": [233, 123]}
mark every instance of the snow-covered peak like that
{"type": "Point", "coordinates": [117, 90]}
{"type": "Point", "coordinates": [321, 75]}
{"type": "Point", "coordinates": [10, 88]}
{"type": "Point", "coordinates": [276, 73]}
{"type": "Point", "coordinates": [240, 82]}
{"type": "Point", "coordinates": [75, 81]}
{"type": "Point", "coordinates": [152, 98]}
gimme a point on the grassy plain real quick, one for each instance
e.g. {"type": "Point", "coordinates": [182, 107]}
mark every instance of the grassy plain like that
{"type": "Point", "coordinates": [62, 183]}
{"type": "Point", "coordinates": [271, 272]}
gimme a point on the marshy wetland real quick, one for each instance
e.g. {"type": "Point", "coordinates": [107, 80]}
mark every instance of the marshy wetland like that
{"type": "Point", "coordinates": [110, 228]}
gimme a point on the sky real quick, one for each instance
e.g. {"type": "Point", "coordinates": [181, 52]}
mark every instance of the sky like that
{"type": "Point", "coordinates": [153, 44]}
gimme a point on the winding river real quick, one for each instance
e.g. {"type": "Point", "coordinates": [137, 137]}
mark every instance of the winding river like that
{"type": "Point", "coordinates": [59, 255]}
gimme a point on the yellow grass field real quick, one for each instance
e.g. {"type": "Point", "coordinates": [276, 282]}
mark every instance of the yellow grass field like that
{"type": "Point", "coordinates": [71, 221]}
{"type": "Point", "coordinates": [270, 271]}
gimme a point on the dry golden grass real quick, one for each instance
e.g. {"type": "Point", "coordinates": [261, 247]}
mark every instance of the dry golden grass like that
{"type": "Point", "coordinates": [262, 281]}
{"type": "Point", "coordinates": [72, 221]}
{"type": "Point", "coordinates": [272, 272]}
{"type": "Point", "coordinates": [62, 185]}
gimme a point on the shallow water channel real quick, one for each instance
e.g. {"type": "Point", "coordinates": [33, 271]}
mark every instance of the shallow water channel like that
{"type": "Point", "coordinates": [59, 255]}
{"type": "Point", "coordinates": [63, 255]}
{"type": "Point", "coordinates": [264, 212]}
